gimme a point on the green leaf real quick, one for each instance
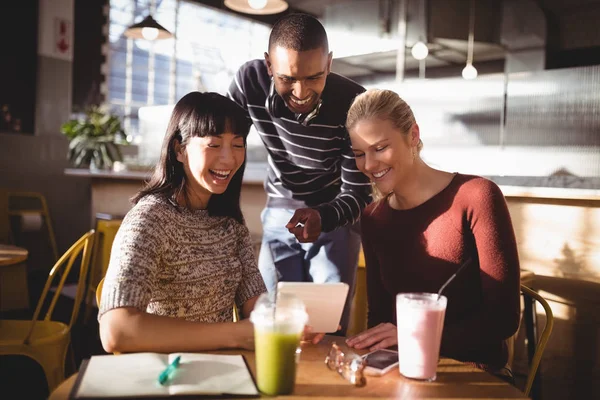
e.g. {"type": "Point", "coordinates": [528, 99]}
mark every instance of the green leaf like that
{"type": "Point", "coordinates": [93, 138]}
{"type": "Point", "coordinates": [81, 158]}
{"type": "Point", "coordinates": [106, 160]}
{"type": "Point", "coordinates": [114, 152]}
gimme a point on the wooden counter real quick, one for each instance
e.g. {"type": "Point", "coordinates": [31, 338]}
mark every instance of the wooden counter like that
{"type": "Point", "coordinates": [557, 229]}
{"type": "Point", "coordinates": [111, 192]}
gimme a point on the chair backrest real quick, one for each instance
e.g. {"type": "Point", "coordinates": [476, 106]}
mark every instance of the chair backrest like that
{"type": "Point", "coordinates": [99, 291]}
{"type": "Point", "coordinates": [236, 314]}
{"type": "Point", "coordinates": [541, 344]}
{"type": "Point", "coordinates": [106, 230]}
{"type": "Point", "coordinates": [82, 246]}
{"type": "Point", "coordinates": [31, 203]}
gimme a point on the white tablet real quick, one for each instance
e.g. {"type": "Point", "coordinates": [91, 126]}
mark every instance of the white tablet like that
{"type": "Point", "coordinates": [324, 302]}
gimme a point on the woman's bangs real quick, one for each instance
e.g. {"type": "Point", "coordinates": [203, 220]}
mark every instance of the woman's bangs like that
{"type": "Point", "coordinates": [218, 119]}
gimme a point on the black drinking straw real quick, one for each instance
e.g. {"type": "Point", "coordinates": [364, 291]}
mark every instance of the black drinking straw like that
{"type": "Point", "coordinates": [453, 276]}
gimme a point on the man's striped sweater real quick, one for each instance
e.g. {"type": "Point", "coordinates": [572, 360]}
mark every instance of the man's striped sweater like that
{"type": "Point", "coordinates": [307, 165]}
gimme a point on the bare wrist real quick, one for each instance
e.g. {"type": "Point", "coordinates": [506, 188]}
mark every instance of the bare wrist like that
{"type": "Point", "coordinates": [242, 334]}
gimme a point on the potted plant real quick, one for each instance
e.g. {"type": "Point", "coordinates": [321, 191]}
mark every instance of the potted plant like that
{"type": "Point", "coordinates": [93, 139]}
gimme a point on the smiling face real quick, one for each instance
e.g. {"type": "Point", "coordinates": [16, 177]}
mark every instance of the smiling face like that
{"type": "Point", "coordinates": [383, 153]}
{"type": "Point", "coordinates": [299, 76]}
{"type": "Point", "coordinates": [210, 162]}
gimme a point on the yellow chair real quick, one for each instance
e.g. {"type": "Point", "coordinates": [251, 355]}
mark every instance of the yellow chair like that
{"type": "Point", "coordinates": [106, 230]}
{"type": "Point", "coordinates": [545, 335]}
{"type": "Point", "coordinates": [47, 341]}
{"type": "Point", "coordinates": [236, 314]}
{"type": "Point", "coordinates": [21, 204]}
{"type": "Point", "coordinates": [358, 310]}
{"type": "Point", "coordinates": [99, 291]}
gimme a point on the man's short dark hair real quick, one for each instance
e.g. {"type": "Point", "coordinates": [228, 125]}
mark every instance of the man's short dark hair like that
{"type": "Point", "coordinates": [298, 32]}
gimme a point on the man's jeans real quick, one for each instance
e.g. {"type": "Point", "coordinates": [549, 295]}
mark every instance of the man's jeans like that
{"type": "Point", "coordinates": [332, 258]}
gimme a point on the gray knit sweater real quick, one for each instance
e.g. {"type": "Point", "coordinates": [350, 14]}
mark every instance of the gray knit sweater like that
{"type": "Point", "coordinates": [171, 261]}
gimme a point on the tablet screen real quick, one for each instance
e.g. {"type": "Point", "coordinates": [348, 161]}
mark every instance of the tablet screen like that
{"type": "Point", "coordinates": [324, 302]}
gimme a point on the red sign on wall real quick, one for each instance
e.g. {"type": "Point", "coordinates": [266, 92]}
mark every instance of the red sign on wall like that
{"type": "Point", "coordinates": [62, 37]}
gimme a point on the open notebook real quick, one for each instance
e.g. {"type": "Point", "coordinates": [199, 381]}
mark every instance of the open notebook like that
{"type": "Point", "coordinates": [136, 375]}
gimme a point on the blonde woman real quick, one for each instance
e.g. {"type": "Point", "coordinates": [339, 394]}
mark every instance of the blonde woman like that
{"type": "Point", "coordinates": [423, 225]}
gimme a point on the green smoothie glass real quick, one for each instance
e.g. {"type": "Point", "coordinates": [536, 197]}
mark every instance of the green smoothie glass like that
{"type": "Point", "coordinates": [277, 333]}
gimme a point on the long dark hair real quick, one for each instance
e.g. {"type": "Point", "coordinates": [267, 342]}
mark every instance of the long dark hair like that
{"type": "Point", "coordinates": [199, 114]}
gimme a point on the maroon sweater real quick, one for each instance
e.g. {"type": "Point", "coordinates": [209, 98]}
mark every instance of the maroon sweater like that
{"type": "Point", "coordinates": [417, 250]}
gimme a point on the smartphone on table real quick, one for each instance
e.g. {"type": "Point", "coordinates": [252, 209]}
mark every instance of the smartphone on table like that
{"type": "Point", "coordinates": [380, 362]}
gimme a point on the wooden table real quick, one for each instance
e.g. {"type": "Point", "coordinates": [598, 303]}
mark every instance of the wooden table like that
{"type": "Point", "coordinates": [315, 380]}
{"type": "Point", "coordinates": [14, 293]}
{"type": "Point", "coordinates": [12, 254]}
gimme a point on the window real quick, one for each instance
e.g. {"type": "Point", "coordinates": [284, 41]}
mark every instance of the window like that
{"type": "Point", "coordinates": [209, 47]}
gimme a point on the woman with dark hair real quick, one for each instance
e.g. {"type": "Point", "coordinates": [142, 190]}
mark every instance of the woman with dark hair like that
{"type": "Point", "coordinates": [183, 255]}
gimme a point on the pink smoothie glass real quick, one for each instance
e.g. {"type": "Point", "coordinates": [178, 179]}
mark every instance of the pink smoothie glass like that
{"type": "Point", "coordinates": [420, 321]}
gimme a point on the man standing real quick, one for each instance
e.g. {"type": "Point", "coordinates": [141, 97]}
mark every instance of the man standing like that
{"type": "Point", "coordinates": [315, 192]}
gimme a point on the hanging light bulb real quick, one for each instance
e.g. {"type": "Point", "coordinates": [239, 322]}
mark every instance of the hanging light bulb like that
{"type": "Point", "coordinates": [469, 72]}
{"type": "Point", "coordinates": [419, 51]}
{"type": "Point", "coordinates": [149, 33]}
{"type": "Point", "coordinates": [257, 7]}
{"type": "Point", "coordinates": [257, 4]}
{"type": "Point", "coordinates": [148, 29]}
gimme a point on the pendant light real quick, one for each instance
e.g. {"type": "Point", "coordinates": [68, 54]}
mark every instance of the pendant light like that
{"type": "Point", "coordinates": [257, 7]}
{"type": "Point", "coordinates": [469, 71]}
{"type": "Point", "coordinates": [419, 50]}
{"type": "Point", "coordinates": [148, 29]}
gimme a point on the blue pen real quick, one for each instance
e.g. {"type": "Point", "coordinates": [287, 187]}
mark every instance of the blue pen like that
{"type": "Point", "coordinates": [164, 376]}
